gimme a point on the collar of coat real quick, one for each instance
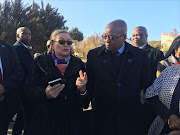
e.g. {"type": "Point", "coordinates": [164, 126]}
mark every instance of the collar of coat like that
{"type": "Point", "coordinates": [47, 65]}
{"type": "Point", "coordinates": [148, 47]}
{"type": "Point", "coordinates": [17, 43]}
{"type": "Point", "coordinates": [128, 49]}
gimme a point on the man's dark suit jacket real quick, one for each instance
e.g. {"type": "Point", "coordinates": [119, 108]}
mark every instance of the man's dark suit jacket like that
{"type": "Point", "coordinates": [12, 79]}
{"type": "Point", "coordinates": [26, 61]}
{"type": "Point", "coordinates": [154, 56]}
{"type": "Point", "coordinates": [117, 109]}
{"type": "Point", "coordinates": [24, 56]}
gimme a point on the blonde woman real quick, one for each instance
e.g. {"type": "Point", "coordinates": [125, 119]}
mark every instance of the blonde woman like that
{"type": "Point", "coordinates": [56, 90]}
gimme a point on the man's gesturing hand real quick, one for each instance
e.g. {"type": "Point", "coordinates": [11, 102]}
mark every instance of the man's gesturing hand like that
{"type": "Point", "coordinates": [81, 81]}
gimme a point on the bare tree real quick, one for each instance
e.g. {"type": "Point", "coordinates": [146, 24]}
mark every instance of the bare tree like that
{"type": "Point", "coordinates": [175, 32]}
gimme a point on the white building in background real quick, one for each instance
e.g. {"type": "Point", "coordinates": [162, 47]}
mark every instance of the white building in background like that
{"type": "Point", "coordinates": [129, 41]}
{"type": "Point", "coordinates": [167, 39]}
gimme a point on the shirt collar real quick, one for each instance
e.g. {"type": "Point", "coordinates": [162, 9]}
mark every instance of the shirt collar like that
{"type": "Point", "coordinates": [24, 44]}
{"type": "Point", "coordinates": [1, 68]}
{"type": "Point", "coordinates": [127, 48]}
{"type": "Point", "coordinates": [121, 50]}
{"type": "Point", "coordinates": [141, 47]}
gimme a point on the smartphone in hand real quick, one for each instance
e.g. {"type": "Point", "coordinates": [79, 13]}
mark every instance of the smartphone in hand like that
{"type": "Point", "coordinates": [54, 82]}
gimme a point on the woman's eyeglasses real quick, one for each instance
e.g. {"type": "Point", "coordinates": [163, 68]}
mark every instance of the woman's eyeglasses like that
{"type": "Point", "coordinates": [63, 42]}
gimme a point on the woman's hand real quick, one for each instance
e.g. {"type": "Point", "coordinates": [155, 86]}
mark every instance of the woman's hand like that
{"type": "Point", "coordinates": [1, 89]}
{"type": "Point", "coordinates": [53, 92]}
{"type": "Point", "coordinates": [1, 98]}
{"type": "Point", "coordinates": [81, 82]}
{"type": "Point", "coordinates": [174, 122]}
{"type": "Point", "coordinates": [175, 132]}
{"type": "Point", "coordinates": [1, 93]}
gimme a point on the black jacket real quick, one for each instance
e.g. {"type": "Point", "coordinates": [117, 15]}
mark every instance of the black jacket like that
{"type": "Point", "coordinates": [61, 115]}
{"type": "Point", "coordinates": [115, 98]}
{"type": "Point", "coordinates": [12, 71]}
{"type": "Point", "coordinates": [24, 56]}
{"type": "Point", "coordinates": [12, 78]}
{"type": "Point", "coordinates": [154, 56]}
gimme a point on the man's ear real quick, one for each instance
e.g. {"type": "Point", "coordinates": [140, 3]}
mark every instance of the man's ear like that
{"type": "Point", "coordinates": [52, 44]}
{"type": "Point", "coordinates": [17, 36]}
{"type": "Point", "coordinates": [125, 36]}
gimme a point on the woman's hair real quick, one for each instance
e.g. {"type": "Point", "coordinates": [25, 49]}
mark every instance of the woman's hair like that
{"type": "Point", "coordinates": [175, 43]}
{"type": "Point", "coordinates": [56, 32]}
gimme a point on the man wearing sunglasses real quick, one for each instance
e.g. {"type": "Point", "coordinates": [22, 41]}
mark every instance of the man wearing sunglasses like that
{"type": "Point", "coordinates": [117, 72]}
{"type": "Point", "coordinates": [23, 36]}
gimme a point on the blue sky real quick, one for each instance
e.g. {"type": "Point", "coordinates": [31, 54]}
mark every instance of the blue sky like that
{"type": "Point", "coordinates": [92, 16]}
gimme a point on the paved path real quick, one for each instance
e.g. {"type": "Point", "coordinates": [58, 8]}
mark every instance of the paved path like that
{"type": "Point", "coordinates": [10, 128]}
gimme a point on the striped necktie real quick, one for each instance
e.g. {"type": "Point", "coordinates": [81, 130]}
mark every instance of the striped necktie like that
{"type": "Point", "coordinates": [116, 53]}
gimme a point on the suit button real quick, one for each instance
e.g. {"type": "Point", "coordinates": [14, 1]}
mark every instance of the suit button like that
{"type": "Point", "coordinates": [104, 61]}
{"type": "Point", "coordinates": [119, 84]}
{"type": "Point", "coordinates": [63, 81]}
{"type": "Point", "coordinates": [65, 97]}
{"type": "Point", "coordinates": [129, 60]}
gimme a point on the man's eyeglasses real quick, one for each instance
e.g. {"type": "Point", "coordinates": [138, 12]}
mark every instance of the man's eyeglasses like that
{"type": "Point", "coordinates": [62, 42]}
{"type": "Point", "coordinates": [111, 37]}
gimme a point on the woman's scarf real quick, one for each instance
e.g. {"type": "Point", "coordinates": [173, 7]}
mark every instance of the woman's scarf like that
{"type": "Point", "coordinates": [61, 63]}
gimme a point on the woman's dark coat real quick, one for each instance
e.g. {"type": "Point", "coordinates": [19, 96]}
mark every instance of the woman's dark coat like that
{"type": "Point", "coordinates": [59, 116]}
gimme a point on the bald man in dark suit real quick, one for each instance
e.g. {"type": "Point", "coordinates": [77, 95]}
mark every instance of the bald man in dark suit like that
{"type": "Point", "coordinates": [117, 72]}
{"type": "Point", "coordinates": [23, 36]}
{"type": "Point", "coordinates": [139, 37]}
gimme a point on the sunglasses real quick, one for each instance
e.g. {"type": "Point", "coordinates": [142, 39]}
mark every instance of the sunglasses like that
{"type": "Point", "coordinates": [63, 42]}
{"type": "Point", "coordinates": [111, 37]}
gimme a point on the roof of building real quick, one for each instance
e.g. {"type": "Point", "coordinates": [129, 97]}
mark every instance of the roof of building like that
{"type": "Point", "coordinates": [168, 34]}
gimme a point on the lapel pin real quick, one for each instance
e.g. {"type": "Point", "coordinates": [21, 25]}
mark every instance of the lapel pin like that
{"type": "Point", "coordinates": [30, 47]}
{"type": "Point", "coordinates": [127, 50]}
{"type": "Point", "coordinates": [104, 61]}
{"type": "Point", "coordinates": [129, 60]}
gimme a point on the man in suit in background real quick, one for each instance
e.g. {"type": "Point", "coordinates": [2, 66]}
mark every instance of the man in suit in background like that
{"type": "Point", "coordinates": [139, 37]}
{"type": "Point", "coordinates": [49, 47]}
{"type": "Point", "coordinates": [117, 71]}
{"type": "Point", "coordinates": [23, 37]}
{"type": "Point", "coordinates": [11, 76]}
